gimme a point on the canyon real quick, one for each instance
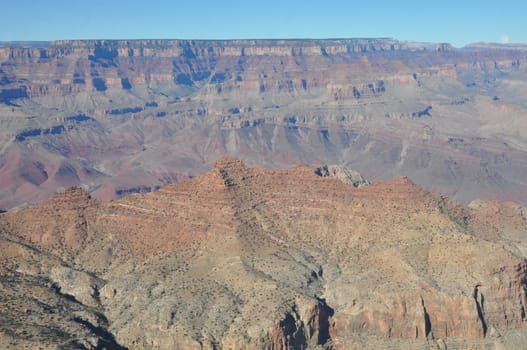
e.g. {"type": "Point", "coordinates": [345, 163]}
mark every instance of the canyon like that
{"type": "Point", "coordinates": [262, 194]}
{"type": "Point", "coordinates": [129, 116]}
{"type": "Point", "coordinates": [309, 257]}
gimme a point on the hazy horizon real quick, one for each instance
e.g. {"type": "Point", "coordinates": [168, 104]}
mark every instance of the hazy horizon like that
{"type": "Point", "coordinates": [36, 42]}
{"type": "Point", "coordinates": [454, 22]}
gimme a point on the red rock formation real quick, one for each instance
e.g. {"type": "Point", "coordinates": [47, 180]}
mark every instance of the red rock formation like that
{"type": "Point", "coordinates": [249, 258]}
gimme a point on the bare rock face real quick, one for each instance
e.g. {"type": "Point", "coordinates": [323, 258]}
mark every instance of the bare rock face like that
{"type": "Point", "coordinates": [244, 258]}
{"type": "Point", "coordinates": [348, 176]}
{"type": "Point", "coordinates": [129, 116]}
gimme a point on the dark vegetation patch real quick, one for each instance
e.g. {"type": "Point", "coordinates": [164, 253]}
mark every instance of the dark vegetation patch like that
{"type": "Point", "coordinates": [78, 78]}
{"type": "Point", "coordinates": [245, 124]}
{"type": "Point", "coordinates": [7, 95]}
{"type": "Point", "coordinates": [356, 92]}
{"type": "Point", "coordinates": [99, 84]}
{"type": "Point", "coordinates": [125, 110]}
{"type": "Point", "coordinates": [78, 118]}
{"type": "Point", "coordinates": [6, 78]}
{"type": "Point", "coordinates": [54, 130]}
{"type": "Point", "coordinates": [291, 120]}
{"type": "Point", "coordinates": [184, 79]}
{"type": "Point", "coordinates": [218, 78]}
{"type": "Point", "coordinates": [188, 52]}
{"type": "Point", "coordinates": [325, 134]}
{"type": "Point", "coordinates": [377, 88]}
{"type": "Point", "coordinates": [199, 76]}
{"type": "Point", "coordinates": [138, 189]}
{"type": "Point", "coordinates": [125, 84]}
{"type": "Point", "coordinates": [424, 113]}
{"type": "Point", "coordinates": [104, 55]}
{"type": "Point", "coordinates": [252, 123]}
{"type": "Point", "coordinates": [189, 79]}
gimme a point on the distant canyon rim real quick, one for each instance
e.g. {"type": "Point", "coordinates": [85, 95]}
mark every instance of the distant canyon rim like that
{"type": "Point", "coordinates": [128, 116]}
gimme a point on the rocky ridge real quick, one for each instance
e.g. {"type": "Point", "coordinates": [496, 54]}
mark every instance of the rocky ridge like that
{"type": "Point", "coordinates": [248, 258]}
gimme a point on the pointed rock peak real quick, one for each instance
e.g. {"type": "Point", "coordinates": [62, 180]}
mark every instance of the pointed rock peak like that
{"type": "Point", "coordinates": [348, 176]}
{"type": "Point", "coordinates": [231, 170]}
{"type": "Point", "coordinates": [227, 162]}
{"type": "Point", "coordinates": [72, 196]}
{"type": "Point", "coordinates": [405, 183]}
{"type": "Point", "coordinates": [479, 204]}
{"type": "Point", "coordinates": [75, 192]}
{"type": "Point", "coordinates": [404, 180]}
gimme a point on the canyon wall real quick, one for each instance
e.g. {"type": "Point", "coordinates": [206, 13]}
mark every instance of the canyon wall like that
{"type": "Point", "coordinates": [128, 116]}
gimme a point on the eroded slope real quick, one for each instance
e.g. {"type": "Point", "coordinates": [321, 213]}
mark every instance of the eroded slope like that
{"type": "Point", "coordinates": [249, 258]}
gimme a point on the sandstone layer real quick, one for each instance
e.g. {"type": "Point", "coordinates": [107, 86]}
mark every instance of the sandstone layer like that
{"type": "Point", "coordinates": [245, 258]}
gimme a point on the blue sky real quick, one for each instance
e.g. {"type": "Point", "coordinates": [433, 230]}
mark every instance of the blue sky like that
{"type": "Point", "coordinates": [458, 22]}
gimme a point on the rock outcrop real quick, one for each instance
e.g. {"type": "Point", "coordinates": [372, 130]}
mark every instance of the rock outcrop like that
{"type": "Point", "coordinates": [348, 176]}
{"type": "Point", "coordinates": [243, 258]}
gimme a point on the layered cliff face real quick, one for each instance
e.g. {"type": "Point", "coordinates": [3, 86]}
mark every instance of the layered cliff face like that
{"type": "Point", "coordinates": [118, 117]}
{"type": "Point", "coordinates": [243, 258]}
